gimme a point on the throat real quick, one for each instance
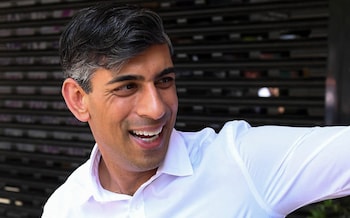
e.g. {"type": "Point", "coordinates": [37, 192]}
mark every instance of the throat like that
{"type": "Point", "coordinates": [126, 183]}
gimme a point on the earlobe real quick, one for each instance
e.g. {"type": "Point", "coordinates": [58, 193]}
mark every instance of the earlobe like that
{"type": "Point", "coordinates": [75, 97]}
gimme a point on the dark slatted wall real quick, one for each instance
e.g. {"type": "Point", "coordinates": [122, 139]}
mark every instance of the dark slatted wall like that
{"type": "Point", "coordinates": [263, 62]}
{"type": "Point", "coordinates": [258, 60]}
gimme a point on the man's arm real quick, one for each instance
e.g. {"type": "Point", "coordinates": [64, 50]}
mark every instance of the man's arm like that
{"type": "Point", "coordinates": [292, 167]}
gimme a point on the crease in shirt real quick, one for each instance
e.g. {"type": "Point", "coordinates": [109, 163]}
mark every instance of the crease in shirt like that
{"type": "Point", "coordinates": [245, 172]}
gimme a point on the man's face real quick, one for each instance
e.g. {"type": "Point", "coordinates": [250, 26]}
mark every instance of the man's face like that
{"type": "Point", "coordinates": [132, 112]}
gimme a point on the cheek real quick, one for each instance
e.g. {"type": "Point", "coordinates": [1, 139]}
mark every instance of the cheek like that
{"type": "Point", "coordinates": [173, 103]}
{"type": "Point", "coordinates": [107, 113]}
{"type": "Point", "coordinates": [120, 112]}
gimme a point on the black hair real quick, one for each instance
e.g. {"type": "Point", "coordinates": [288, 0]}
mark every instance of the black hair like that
{"type": "Point", "coordinates": [107, 35]}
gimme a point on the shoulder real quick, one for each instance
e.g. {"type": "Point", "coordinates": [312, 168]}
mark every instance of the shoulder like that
{"type": "Point", "coordinates": [232, 128]}
{"type": "Point", "coordinates": [230, 132]}
{"type": "Point", "coordinates": [71, 193]}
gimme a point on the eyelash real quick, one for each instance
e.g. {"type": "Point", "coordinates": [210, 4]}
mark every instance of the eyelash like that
{"type": "Point", "coordinates": [167, 81]}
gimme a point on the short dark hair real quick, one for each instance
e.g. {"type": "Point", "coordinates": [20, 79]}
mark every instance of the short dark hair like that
{"type": "Point", "coordinates": [107, 35]}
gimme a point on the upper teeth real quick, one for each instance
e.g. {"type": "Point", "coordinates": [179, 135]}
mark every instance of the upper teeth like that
{"type": "Point", "coordinates": [148, 133]}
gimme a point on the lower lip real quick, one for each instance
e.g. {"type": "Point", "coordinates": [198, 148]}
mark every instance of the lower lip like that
{"type": "Point", "coordinates": [149, 144]}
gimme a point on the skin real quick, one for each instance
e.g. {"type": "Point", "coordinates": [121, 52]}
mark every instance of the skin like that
{"type": "Point", "coordinates": [131, 114]}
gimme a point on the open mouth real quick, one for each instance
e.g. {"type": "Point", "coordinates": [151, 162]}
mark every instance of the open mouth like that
{"type": "Point", "coordinates": [147, 136]}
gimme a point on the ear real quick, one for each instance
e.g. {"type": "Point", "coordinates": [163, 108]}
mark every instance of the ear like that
{"type": "Point", "coordinates": [74, 97]}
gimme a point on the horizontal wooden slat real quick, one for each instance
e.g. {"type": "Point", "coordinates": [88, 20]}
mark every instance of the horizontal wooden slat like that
{"type": "Point", "coordinates": [270, 45]}
{"type": "Point", "coordinates": [287, 5]}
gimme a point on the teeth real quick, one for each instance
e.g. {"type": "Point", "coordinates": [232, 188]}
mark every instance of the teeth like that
{"type": "Point", "coordinates": [148, 133]}
{"type": "Point", "coordinates": [147, 136]}
{"type": "Point", "coordinates": [151, 139]}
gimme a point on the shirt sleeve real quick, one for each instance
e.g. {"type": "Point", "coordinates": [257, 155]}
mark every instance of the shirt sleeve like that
{"type": "Point", "coordinates": [291, 167]}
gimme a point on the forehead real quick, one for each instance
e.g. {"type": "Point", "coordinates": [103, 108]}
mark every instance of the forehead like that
{"type": "Point", "coordinates": [154, 59]}
{"type": "Point", "coordinates": [150, 64]}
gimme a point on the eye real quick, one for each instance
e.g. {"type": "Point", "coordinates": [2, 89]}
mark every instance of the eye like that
{"type": "Point", "coordinates": [165, 82]}
{"type": "Point", "coordinates": [125, 90]}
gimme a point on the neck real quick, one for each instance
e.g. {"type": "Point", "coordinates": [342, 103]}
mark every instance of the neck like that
{"type": "Point", "coordinates": [122, 182]}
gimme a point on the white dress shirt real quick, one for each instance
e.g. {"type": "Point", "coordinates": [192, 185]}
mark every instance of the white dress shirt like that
{"type": "Point", "coordinates": [242, 171]}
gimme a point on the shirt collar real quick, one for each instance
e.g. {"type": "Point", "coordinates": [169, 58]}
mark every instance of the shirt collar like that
{"type": "Point", "coordinates": [176, 162]}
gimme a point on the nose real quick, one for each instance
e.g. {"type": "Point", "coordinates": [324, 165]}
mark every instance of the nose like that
{"type": "Point", "coordinates": [151, 104]}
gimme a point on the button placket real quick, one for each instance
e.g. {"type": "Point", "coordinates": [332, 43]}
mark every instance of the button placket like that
{"type": "Point", "coordinates": [137, 207]}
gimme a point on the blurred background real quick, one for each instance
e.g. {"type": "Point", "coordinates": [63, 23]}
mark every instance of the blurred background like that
{"type": "Point", "coordinates": [281, 62]}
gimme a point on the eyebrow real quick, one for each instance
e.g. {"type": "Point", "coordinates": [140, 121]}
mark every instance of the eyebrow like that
{"type": "Point", "coordinates": [137, 77]}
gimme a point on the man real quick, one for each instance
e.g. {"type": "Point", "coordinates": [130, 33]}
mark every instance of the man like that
{"type": "Point", "coordinates": [120, 79]}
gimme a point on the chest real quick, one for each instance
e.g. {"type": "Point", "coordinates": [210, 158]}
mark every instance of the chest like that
{"type": "Point", "coordinates": [215, 193]}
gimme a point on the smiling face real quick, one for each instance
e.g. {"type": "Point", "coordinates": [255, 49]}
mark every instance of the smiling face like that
{"type": "Point", "coordinates": [132, 112]}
